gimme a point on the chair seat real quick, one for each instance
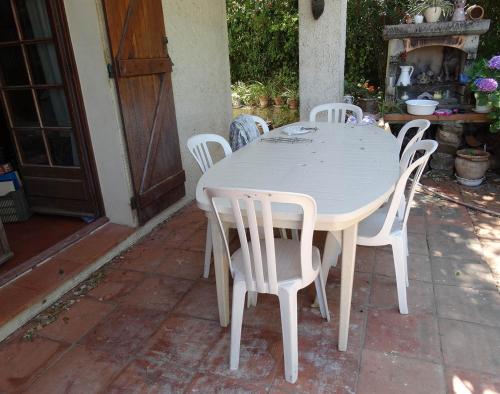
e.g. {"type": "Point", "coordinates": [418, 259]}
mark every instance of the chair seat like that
{"type": "Point", "coordinates": [372, 225]}
{"type": "Point", "coordinates": [287, 259]}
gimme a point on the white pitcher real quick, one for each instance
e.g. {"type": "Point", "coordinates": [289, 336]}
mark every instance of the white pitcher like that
{"type": "Point", "coordinates": [405, 76]}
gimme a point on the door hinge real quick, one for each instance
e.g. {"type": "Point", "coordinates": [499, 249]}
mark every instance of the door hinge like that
{"type": "Point", "coordinates": [166, 40]}
{"type": "Point", "coordinates": [133, 202]}
{"type": "Point", "coordinates": [111, 70]}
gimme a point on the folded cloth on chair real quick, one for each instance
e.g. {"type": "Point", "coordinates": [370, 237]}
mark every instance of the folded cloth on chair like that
{"type": "Point", "coordinates": [242, 131]}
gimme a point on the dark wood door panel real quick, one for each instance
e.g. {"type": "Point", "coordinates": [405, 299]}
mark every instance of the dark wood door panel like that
{"type": "Point", "coordinates": [69, 189]}
{"type": "Point", "coordinates": [137, 40]}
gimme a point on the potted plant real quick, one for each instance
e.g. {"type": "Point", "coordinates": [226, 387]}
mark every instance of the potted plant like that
{"type": "Point", "coordinates": [292, 95]}
{"type": "Point", "coordinates": [471, 165]}
{"type": "Point", "coordinates": [260, 93]}
{"type": "Point", "coordinates": [276, 89]}
{"type": "Point", "coordinates": [367, 95]}
{"type": "Point", "coordinates": [483, 81]}
{"type": "Point", "coordinates": [431, 9]}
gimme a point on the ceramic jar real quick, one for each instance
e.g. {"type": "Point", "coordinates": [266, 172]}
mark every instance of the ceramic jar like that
{"type": "Point", "coordinates": [472, 163]}
{"type": "Point", "coordinates": [432, 14]}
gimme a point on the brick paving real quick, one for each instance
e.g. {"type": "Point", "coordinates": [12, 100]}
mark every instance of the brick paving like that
{"type": "Point", "coordinates": [148, 322]}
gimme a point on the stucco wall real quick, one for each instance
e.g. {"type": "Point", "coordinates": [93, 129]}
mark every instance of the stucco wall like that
{"type": "Point", "coordinates": [198, 46]}
{"type": "Point", "coordinates": [321, 54]}
{"type": "Point", "coordinates": [89, 40]}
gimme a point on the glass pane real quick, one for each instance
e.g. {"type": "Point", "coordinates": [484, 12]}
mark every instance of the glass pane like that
{"type": "Point", "coordinates": [35, 22]}
{"type": "Point", "coordinates": [22, 108]}
{"type": "Point", "coordinates": [53, 108]}
{"type": "Point", "coordinates": [62, 147]}
{"type": "Point", "coordinates": [12, 66]}
{"type": "Point", "coordinates": [7, 25]}
{"type": "Point", "coordinates": [32, 147]}
{"type": "Point", "coordinates": [43, 63]}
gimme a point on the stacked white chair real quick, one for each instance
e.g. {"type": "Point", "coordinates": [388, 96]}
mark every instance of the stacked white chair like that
{"type": "Point", "coordinates": [198, 146]}
{"type": "Point", "coordinates": [262, 123]}
{"type": "Point", "coordinates": [336, 112]}
{"type": "Point", "coordinates": [420, 124]}
{"type": "Point", "coordinates": [269, 265]}
{"type": "Point", "coordinates": [387, 227]}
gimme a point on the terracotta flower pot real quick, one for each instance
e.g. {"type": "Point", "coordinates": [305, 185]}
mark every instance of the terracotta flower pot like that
{"type": "Point", "coordinates": [368, 104]}
{"type": "Point", "coordinates": [278, 101]}
{"type": "Point", "coordinates": [263, 101]}
{"type": "Point", "coordinates": [293, 103]}
{"type": "Point", "coordinates": [472, 163]}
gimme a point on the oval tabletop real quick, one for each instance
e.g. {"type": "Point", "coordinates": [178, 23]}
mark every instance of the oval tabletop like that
{"type": "Point", "coordinates": [349, 170]}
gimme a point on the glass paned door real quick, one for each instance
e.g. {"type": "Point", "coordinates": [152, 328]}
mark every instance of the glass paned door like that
{"type": "Point", "coordinates": [38, 93]}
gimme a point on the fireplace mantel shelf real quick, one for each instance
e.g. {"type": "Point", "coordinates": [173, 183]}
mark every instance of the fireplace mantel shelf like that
{"type": "Point", "coordinates": [470, 117]}
{"type": "Point", "coordinates": [436, 29]}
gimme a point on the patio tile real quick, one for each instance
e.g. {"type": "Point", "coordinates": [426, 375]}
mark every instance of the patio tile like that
{"type": "Point", "coordinates": [66, 375]}
{"type": "Point", "coordinates": [486, 226]}
{"type": "Point", "coordinates": [473, 274]}
{"type": "Point", "coordinates": [420, 295]}
{"type": "Point", "coordinates": [75, 322]}
{"type": "Point", "coordinates": [491, 254]}
{"type": "Point", "coordinates": [389, 373]}
{"type": "Point", "coordinates": [462, 303]}
{"type": "Point", "coordinates": [200, 301]}
{"type": "Point", "coordinates": [260, 354]}
{"type": "Point", "coordinates": [419, 265]}
{"type": "Point", "coordinates": [470, 346]}
{"type": "Point", "coordinates": [206, 383]}
{"type": "Point", "coordinates": [444, 212]}
{"type": "Point", "coordinates": [266, 315]}
{"type": "Point", "coordinates": [21, 361]}
{"type": "Point", "coordinates": [142, 257]}
{"type": "Point", "coordinates": [322, 369]}
{"type": "Point", "coordinates": [14, 300]}
{"type": "Point", "coordinates": [461, 381]}
{"type": "Point", "coordinates": [142, 376]}
{"type": "Point", "coordinates": [184, 264]}
{"type": "Point", "coordinates": [182, 341]}
{"type": "Point", "coordinates": [453, 242]}
{"type": "Point", "coordinates": [417, 244]}
{"type": "Point", "coordinates": [416, 223]}
{"type": "Point", "coordinates": [116, 283]}
{"type": "Point", "coordinates": [365, 258]}
{"type": "Point", "coordinates": [414, 335]}
{"type": "Point", "coordinates": [197, 240]}
{"type": "Point", "coordinates": [124, 332]}
{"type": "Point", "coordinates": [158, 292]}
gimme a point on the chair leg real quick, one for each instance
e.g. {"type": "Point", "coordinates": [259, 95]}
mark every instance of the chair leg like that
{"type": "Point", "coordinates": [320, 284]}
{"type": "Point", "coordinates": [239, 290]}
{"type": "Point", "coordinates": [295, 234]}
{"type": "Point", "coordinates": [399, 253]}
{"type": "Point", "coordinates": [283, 233]}
{"type": "Point", "coordinates": [405, 238]}
{"type": "Point", "coordinates": [208, 253]}
{"type": "Point", "coordinates": [252, 298]}
{"type": "Point", "coordinates": [288, 311]}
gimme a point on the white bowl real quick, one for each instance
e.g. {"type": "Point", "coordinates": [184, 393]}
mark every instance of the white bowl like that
{"type": "Point", "coordinates": [421, 107]}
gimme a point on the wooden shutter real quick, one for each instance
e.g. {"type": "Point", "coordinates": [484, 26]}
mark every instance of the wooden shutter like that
{"type": "Point", "coordinates": [142, 69]}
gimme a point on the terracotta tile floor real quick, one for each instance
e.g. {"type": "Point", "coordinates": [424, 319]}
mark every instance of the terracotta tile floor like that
{"type": "Point", "coordinates": [147, 322]}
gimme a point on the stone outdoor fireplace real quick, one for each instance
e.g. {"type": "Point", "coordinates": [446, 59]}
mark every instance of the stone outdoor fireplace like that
{"type": "Point", "coordinates": [439, 53]}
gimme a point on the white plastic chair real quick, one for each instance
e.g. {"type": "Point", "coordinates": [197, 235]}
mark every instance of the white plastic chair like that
{"type": "Point", "coordinates": [269, 265]}
{"type": "Point", "coordinates": [262, 123]}
{"type": "Point", "coordinates": [336, 112]}
{"type": "Point", "coordinates": [198, 147]}
{"type": "Point", "coordinates": [420, 124]}
{"type": "Point", "coordinates": [386, 227]}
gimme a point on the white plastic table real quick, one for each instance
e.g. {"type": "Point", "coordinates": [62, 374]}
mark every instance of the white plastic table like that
{"type": "Point", "coordinates": [349, 170]}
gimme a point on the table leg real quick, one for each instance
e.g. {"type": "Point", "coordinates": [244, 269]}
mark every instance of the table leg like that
{"type": "Point", "coordinates": [221, 266]}
{"type": "Point", "coordinates": [346, 282]}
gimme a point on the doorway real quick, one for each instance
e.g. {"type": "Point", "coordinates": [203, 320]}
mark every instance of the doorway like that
{"type": "Point", "coordinates": [44, 137]}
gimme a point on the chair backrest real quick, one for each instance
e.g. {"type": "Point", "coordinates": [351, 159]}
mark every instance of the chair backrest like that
{"type": "Point", "coordinates": [420, 124]}
{"type": "Point", "coordinates": [398, 197]}
{"type": "Point", "coordinates": [336, 112]}
{"type": "Point", "coordinates": [253, 209]}
{"type": "Point", "coordinates": [262, 123]}
{"type": "Point", "coordinates": [197, 145]}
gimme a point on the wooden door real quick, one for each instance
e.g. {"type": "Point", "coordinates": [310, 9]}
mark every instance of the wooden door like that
{"type": "Point", "coordinates": [142, 69]}
{"type": "Point", "coordinates": [41, 98]}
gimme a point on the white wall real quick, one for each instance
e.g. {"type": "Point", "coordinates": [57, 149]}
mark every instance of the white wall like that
{"type": "Point", "coordinates": [321, 54]}
{"type": "Point", "coordinates": [89, 40]}
{"type": "Point", "coordinates": [198, 46]}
